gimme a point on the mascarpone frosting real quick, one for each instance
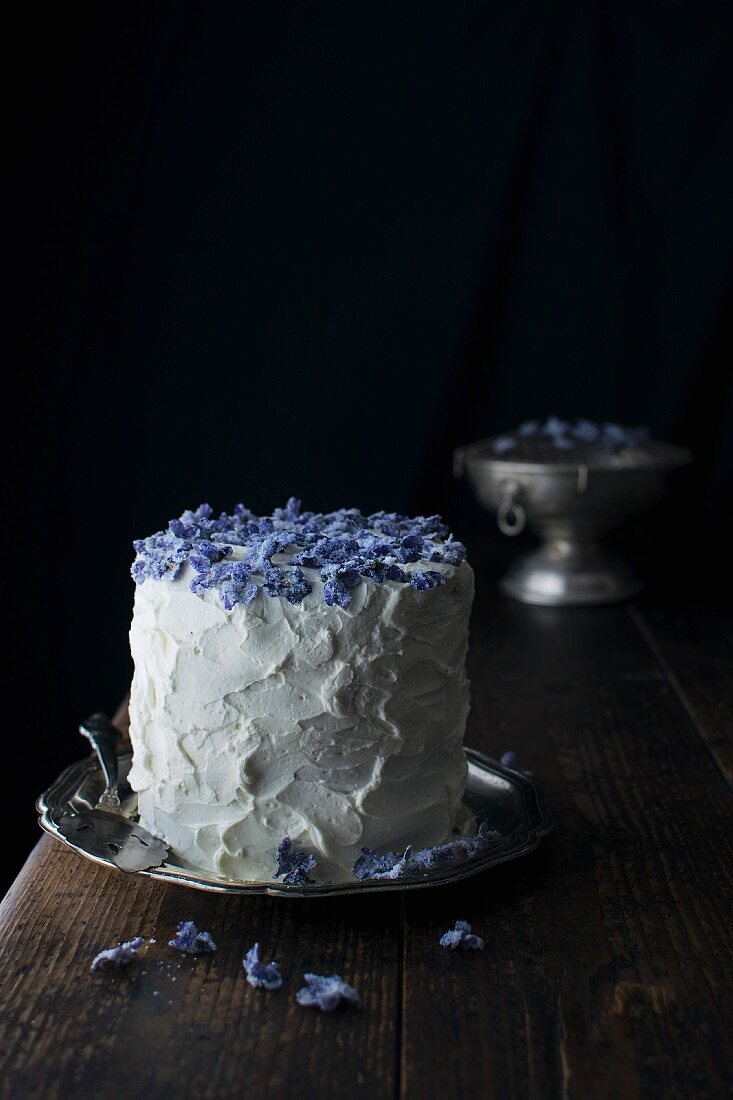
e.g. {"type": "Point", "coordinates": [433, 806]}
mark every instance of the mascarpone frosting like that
{"type": "Point", "coordinates": [340, 727]}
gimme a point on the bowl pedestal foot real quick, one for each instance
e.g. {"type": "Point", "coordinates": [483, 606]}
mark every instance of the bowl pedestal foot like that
{"type": "Point", "coordinates": [563, 572]}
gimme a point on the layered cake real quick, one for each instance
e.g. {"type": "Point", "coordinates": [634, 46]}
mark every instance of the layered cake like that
{"type": "Point", "coordinates": [299, 676]}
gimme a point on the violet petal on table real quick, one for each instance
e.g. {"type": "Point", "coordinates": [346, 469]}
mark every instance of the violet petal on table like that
{"type": "Point", "coordinates": [461, 937]}
{"type": "Point", "coordinates": [326, 993]}
{"type": "Point", "coordinates": [261, 975]}
{"type": "Point", "coordinates": [190, 941]}
{"type": "Point", "coordinates": [116, 957]}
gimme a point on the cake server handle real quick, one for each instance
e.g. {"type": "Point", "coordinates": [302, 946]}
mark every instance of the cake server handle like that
{"type": "Point", "coordinates": [104, 737]}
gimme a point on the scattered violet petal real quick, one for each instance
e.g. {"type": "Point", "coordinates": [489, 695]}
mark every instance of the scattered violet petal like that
{"type": "Point", "coordinates": [292, 864]}
{"type": "Point", "coordinates": [388, 866]}
{"type": "Point", "coordinates": [370, 864]}
{"type": "Point", "coordinates": [261, 975]}
{"type": "Point", "coordinates": [190, 941]}
{"type": "Point", "coordinates": [326, 993]}
{"type": "Point", "coordinates": [462, 938]}
{"type": "Point", "coordinates": [116, 957]}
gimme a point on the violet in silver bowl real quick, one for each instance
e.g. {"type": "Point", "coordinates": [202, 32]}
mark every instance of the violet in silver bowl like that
{"type": "Point", "coordinates": [571, 482]}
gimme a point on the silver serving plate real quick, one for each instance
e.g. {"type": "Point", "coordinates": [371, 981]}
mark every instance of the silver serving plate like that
{"type": "Point", "coordinates": [72, 811]}
{"type": "Point", "coordinates": [570, 503]}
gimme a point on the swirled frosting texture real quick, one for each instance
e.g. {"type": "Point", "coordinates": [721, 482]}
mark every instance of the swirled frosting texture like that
{"type": "Point", "coordinates": [337, 726]}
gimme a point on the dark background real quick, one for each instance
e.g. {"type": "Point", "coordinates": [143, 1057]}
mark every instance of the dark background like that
{"type": "Point", "coordinates": [309, 250]}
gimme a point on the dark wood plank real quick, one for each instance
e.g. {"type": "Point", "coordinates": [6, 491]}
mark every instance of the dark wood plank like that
{"type": "Point", "coordinates": [694, 651]}
{"type": "Point", "coordinates": [607, 971]}
{"type": "Point", "coordinates": [171, 1026]}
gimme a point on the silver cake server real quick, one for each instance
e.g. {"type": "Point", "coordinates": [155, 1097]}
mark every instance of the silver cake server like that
{"type": "Point", "coordinates": [112, 838]}
{"type": "Point", "coordinates": [105, 831]}
{"type": "Point", "coordinates": [104, 737]}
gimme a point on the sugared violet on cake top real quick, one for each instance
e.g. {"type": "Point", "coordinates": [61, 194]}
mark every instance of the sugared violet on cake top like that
{"type": "Point", "coordinates": [241, 555]}
{"type": "Point", "coordinates": [299, 675]}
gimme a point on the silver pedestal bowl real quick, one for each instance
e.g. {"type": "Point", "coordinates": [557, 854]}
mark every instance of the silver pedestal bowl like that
{"type": "Point", "coordinates": [570, 503]}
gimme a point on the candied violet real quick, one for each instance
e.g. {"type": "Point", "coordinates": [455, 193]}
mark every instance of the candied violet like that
{"type": "Point", "coordinates": [424, 579]}
{"type": "Point", "coordinates": [410, 549]}
{"type": "Point", "coordinates": [339, 580]}
{"type": "Point", "coordinates": [566, 435]}
{"type": "Point", "coordinates": [290, 512]}
{"type": "Point", "coordinates": [462, 937]}
{"type": "Point", "coordinates": [382, 571]}
{"type": "Point", "coordinates": [335, 550]}
{"type": "Point", "coordinates": [345, 547]}
{"type": "Point", "coordinates": [586, 430]}
{"type": "Point", "coordinates": [116, 957]}
{"type": "Point", "coordinates": [554, 426]}
{"type": "Point", "coordinates": [261, 975]}
{"type": "Point", "coordinates": [234, 592]}
{"type": "Point", "coordinates": [139, 571]}
{"type": "Point", "coordinates": [407, 866]}
{"type": "Point", "coordinates": [326, 993]}
{"type": "Point", "coordinates": [210, 552]}
{"type": "Point", "coordinates": [391, 523]}
{"type": "Point", "coordinates": [389, 866]}
{"type": "Point", "coordinates": [262, 551]}
{"type": "Point", "coordinates": [292, 864]}
{"type": "Point", "coordinates": [453, 552]}
{"type": "Point", "coordinates": [159, 556]}
{"type": "Point", "coordinates": [503, 444]}
{"type": "Point", "coordinates": [370, 864]}
{"type": "Point", "coordinates": [289, 583]}
{"type": "Point", "coordinates": [190, 941]}
{"type": "Point", "coordinates": [230, 578]}
{"type": "Point", "coordinates": [335, 592]}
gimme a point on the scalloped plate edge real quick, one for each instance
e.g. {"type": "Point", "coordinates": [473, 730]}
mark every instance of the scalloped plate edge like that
{"type": "Point", "coordinates": [57, 801]}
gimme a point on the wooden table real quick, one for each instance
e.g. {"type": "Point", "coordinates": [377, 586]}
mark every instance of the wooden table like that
{"type": "Point", "coordinates": [607, 969]}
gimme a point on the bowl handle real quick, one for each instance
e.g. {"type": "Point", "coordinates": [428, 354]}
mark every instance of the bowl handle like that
{"type": "Point", "coordinates": [510, 515]}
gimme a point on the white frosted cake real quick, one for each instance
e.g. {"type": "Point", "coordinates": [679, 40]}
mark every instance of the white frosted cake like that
{"type": "Point", "coordinates": [299, 676]}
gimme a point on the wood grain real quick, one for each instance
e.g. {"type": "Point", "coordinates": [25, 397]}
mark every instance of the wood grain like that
{"type": "Point", "coordinates": [175, 1026]}
{"type": "Point", "coordinates": [694, 650]}
{"type": "Point", "coordinates": [609, 956]}
{"type": "Point", "coordinates": [609, 960]}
